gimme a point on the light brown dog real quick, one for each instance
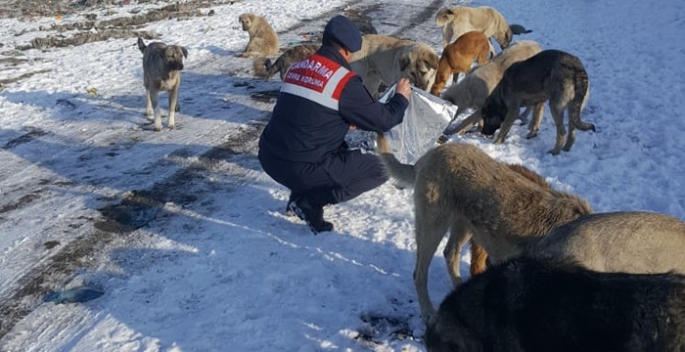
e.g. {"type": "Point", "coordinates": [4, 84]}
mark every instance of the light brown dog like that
{"type": "Point", "coordinates": [458, 187]}
{"type": "Point", "coordinates": [477, 85]}
{"type": "Point", "coordinates": [385, 59]}
{"type": "Point", "coordinates": [627, 241]}
{"type": "Point", "coordinates": [478, 255]}
{"type": "Point", "coordinates": [457, 20]}
{"type": "Point", "coordinates": [457, 58]}
{"type": "Point", "coordinates": [162, 65]}
{"type": "Point", "coordinates": [263, 67]}
{"type": "Point", "coordinates": [263, 38]}
{"type": "Point", "coordinates": [551, 75]}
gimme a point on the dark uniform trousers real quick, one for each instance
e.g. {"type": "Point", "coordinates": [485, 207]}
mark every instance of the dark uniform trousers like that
{"type": "Point", "coordinates": [339, 177]}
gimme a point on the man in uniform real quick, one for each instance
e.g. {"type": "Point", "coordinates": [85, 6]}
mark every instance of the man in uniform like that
{"type": "Point", "coordinates": [303, 146]}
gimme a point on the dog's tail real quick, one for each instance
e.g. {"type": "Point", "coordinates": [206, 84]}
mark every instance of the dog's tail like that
{"type": "Point", "coordinates": [403, 173]}
{"type": "Point", "coordinates": [518, 29]}
{"type": "Point", "coordinates": [264, 68]}
{"type": "Point", "coordinates": [141, 45]}
{"type": "Point", "coordinates": [581, 86]}
{"type": "Point", "coordinates": [443, 17]}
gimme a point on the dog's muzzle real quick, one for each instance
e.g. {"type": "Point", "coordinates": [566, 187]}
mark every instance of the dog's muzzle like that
{"type": "Point", "coordinates": [176, 66]}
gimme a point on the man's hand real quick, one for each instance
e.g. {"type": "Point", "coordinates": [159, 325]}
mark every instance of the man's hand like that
{"type": "Point", "coordinates": [404, 88]}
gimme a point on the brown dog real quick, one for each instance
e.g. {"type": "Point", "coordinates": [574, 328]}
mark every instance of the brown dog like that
{"type": "Point", "coordinates": [478, 255]}
{"type": "Point", "coordinates": [549, 75]}
{"type": "Point", "coordinates": [457, 58]}
{"type": "Point", "coordinates": [458, 187]}
{"type": "Point", "coordinates": [263, 38]}
{"type": "Point", "coordinates": [162, 65]}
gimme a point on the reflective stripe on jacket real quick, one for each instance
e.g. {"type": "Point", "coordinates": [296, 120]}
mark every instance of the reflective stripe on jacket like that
{"type": "Point", "coordinates": [317, 79]}
{"type": "Point", "coordinates": [320, 98]}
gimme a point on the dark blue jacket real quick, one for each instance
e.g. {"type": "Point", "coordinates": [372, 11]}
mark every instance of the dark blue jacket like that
{"type": "Point", "coordinates": [305, 130]}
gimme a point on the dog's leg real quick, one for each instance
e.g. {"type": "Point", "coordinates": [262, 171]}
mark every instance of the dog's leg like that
{"type": "Point", "coordinates": [455, 78]}
{"type": "Point", "coordinates": [148, 106]}
{"type": "Point", "coordinates": [447, 34]}
{"type": "Point", "coordinates": [478, 258]}
{"type": "Point", "coordinates": [466, 125]}
{"type": "Point", "coordinates": [158, 114]}
{"type": "Point", "coordinates": [571, 133]}
{"type": "Point", "coordinates": [255, 48]}
{"type": "Point", "coordinates": [459, 235]}
{"type": "Point", "coordinates": [524, 115]}
{"type": "Point", "coordinates": [558, 116]}
{"type": "Point", "coordinates": [430, 228]}
{"type": "Point", "coordinates": [173, 97]}
{"type": "Point", "coordinates": [534, 127]}
{"type": "Point", "coordinates": [512, 112]}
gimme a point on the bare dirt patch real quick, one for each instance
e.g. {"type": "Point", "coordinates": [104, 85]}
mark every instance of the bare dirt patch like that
{"type": "Point", "coordinates": [118, 28]}
{"type": "Point", "coordinates": [27, 9]}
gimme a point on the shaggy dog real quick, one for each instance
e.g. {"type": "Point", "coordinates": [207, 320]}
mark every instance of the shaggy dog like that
{"type": "Point", "coordinates": [478, 255]}
{"type": "Point", "coordinates": [263, 38]}
{"type": "Point", "coordinates": [263, 67]}
{"type": "Point", "coordinates": [457, 58]}
{"type": "Point", "coordinates": [527, 305]}
{"type": "Point", "coordinates": [457, 187]}
{"type": "Point", "coordinates": [629, 241]}
{"type": "Point", "coordinates": [477, 85]}
{"type": "Point", "coordinates": [550, 75]}
{"type": "Point", "coordinates": [457, 20]}
{"type": "Point", "coordinates": [162, 65]}
{"type": "Point", "coordinates": [384, 59]}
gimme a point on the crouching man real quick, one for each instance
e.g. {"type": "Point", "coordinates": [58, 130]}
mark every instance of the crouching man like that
{"type": "Point", "coordinates": [303, 146]}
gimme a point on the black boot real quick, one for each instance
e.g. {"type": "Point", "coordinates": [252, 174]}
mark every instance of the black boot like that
{"type": "Point", "coordinates": [311, 213]}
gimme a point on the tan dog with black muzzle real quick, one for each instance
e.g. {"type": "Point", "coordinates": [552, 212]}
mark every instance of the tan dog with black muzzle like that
{"type": "Point", "coordinates": [162, 65]}
{"type": "Point", "coordinates": [263, 38]}
{"type": "Point", "coordinates": [385, 59]}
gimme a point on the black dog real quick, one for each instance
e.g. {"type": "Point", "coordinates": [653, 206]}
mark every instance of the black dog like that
{"type": "Point", "coordinates": [525, 305]}
{"type": "Point", "coordinates": [550, 75]}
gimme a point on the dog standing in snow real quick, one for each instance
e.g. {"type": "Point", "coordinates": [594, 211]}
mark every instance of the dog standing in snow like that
{"type": "Point", "coordinates": [162, 65]}
{"type": "Point", "coordinates": [532, 305]}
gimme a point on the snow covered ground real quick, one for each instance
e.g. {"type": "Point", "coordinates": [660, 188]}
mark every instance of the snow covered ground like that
{"type": "Point", "coordinates": [186, 235]}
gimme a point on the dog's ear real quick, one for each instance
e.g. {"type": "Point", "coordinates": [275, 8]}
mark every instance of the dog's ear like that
{"type": "Point", "coordinates": [141, 45]}
{"type": "Point", "coordinates": [432, 60]}
{"type": "Point", "coordinates": [404, 62]}
{"type": "Point", "coordinates": [185, 51]}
